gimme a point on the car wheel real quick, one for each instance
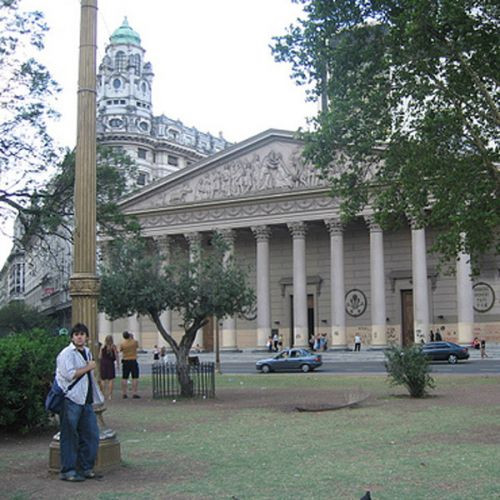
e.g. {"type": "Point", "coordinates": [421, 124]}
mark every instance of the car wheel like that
{"type": "Point", "coordinates": [266, 368]}
{"type": "Point", "coordinates": [452, 359]}
{"type": "Point", "coordinates": [305, 368]}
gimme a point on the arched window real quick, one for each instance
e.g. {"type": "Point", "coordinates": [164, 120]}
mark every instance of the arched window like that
{"type": "Point", "coordinates": [120, 60]}
{"type": "Point", "coordinates": [135, 62]}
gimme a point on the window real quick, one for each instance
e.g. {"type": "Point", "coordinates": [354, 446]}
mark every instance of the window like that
{"type": "Point", "coordinates": [120, 61]}
{"type": "Point", "coordinates": [135, 63]}
{"type": "Point", "coordinates": [115, 122]}
{"type": "Point", "coordinates": [141, 153]}
{"type": "Point", "coordinates": [173, 160]}
{"type": "Point", "coordinates": [117, 83]}
{"type": "Point", "coordinates": [141, 179]}
{"type": "Point", "coordinates": [144, 126]}
{"type": "Point", "coordinates": [17, 278]}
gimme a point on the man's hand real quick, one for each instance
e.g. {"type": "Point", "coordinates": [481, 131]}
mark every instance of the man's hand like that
{"type": "Point", "coordinates": [91, 365]}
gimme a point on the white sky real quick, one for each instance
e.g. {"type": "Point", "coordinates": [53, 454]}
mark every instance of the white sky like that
{"type": "Point", "coordinates": [211, 59]}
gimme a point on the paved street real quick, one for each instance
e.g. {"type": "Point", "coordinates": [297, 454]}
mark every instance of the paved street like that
{"type": "Point", "coordinates": [364, 362]}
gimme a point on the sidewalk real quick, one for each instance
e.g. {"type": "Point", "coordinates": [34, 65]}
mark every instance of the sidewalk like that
{"type": "Point", "coordinates": [366, 354]}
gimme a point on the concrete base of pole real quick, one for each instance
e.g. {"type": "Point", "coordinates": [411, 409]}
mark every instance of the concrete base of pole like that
{"type": "Point", "coordinates": [108, 455]}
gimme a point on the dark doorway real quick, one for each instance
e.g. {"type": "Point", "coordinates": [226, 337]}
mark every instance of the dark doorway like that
{"type": "Point", "coordinates": [310, 318]}
{"type": "Point", "coordinates": [407, 333]}
{"type": "Point", "coordinates": [208, 335]}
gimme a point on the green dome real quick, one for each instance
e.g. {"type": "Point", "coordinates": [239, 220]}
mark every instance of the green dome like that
{"type": "Point", "coordinates": [125, 35]}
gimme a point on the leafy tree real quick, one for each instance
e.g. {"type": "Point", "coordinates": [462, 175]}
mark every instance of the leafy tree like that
{"type": "Point", "coordinates": [19, 317]}
{"type": "Point", "coordinates": [410, 94]}
{"type": "Point", "coordinates": [51, 210]}
{"type": "Point", "coordinates": [26, 91]}
{"type": "Point", "coordinates": [135, 280]}
{"type": "Point", "coordinates": [408, 366]}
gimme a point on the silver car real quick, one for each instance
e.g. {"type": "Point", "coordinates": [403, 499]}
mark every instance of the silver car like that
{"type": "Point", "coordinates": [290, 359]}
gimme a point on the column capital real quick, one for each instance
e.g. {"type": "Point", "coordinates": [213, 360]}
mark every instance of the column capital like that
{"type": "Point", "coordinates": [193, 238]}
{"type": "Point", "coordinates": [335, 226]}
{"type": "Point", "coordinates": [372, 224]}
{"type": "Point", "coordinates": [298, 229]}
{"type": "Point", "coordinates": [163, 244]}
{"type": "Point", "coordinates": [228, 235]}
{"type": "Point", "coordinates": [261, 233]}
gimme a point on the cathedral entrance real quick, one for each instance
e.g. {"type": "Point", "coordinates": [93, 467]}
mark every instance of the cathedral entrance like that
{"type": "Point", "coordinates": [208, 335]}
{"type": "Point", "coordinates": [407, 333]}
{"type": "Point", "coordinates": [310, 319]}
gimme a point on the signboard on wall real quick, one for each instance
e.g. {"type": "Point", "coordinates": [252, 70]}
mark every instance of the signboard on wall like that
{"type": "Point", "coordinates": [484, 297]}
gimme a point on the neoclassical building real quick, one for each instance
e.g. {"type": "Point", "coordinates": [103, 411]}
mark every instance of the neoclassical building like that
{"type": "Point", "coordinates": [312, 274]}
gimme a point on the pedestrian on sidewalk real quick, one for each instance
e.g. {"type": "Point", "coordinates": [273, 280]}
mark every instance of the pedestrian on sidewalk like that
{"type": "Point", "coordinates": [357, 343]}
{"type": "Point", "coordinates": [483, 349]}
{"type": "Point", "coordinates": [128, 348]}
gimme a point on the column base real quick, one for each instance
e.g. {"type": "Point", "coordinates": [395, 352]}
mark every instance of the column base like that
{"type": "Point", "coordinates": [108, 455]}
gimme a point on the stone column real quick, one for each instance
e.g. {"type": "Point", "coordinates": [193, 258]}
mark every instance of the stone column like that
{"type": "Point", "coordinates": [229, 324]}
{"type": "Point", "coordinates": [377, 284]}
{"type": "Point", "coordinates": [337, 292]}
{"type": "Point", "coordinates": [465, 300]}
{"type": "Point", "coordinates": [194, 240]}
{"type": "Point", "coordinates": [163, 244]}
{"type": "Point", "coordinates": [300, 334]}
{"type": "Point", "coordinates": [420, 286]}
{"type": "Point", "coordinates": [262, 235]}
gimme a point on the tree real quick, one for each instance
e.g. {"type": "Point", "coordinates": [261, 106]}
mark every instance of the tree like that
{"type": "Point", "coordinates": [411, 88]}
{"type": "Point", "coordinates": [136, 280]}
{"type": "Point", "coordinates": [18, 317]}
{"type": "Point", "coordinates": [51, 210]}
{"type": "Point", "coordinates": [26, 91]}
{"type": "Point", "coordinates": [408, 366]}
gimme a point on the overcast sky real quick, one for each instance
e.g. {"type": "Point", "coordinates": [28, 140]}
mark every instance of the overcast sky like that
{"type": "Point", "coordinates": [211, 59]}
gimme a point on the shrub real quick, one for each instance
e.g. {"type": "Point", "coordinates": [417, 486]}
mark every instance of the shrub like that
{"type": "Point", "coordinates": [27, 365]}
{"type": "Point", "coordinates": [408, 366]}
{"type": "Point", "coordinates": [19, 317]}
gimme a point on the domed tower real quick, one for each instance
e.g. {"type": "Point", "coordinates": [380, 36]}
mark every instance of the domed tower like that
{"type": "Point", "coordinates": [124, 85]}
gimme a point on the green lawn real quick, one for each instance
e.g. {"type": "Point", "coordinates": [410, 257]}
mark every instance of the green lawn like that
{"type": "Point", "coordinates": [444, 446]}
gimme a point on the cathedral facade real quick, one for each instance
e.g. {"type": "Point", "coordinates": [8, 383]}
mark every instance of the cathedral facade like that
{"type": "Point", "coordinates": [312, 274]}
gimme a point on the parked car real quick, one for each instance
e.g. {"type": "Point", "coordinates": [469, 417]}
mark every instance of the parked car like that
{"type": "Point", "coordinates": [445, 351]}
{"type": "Point", "coordinates": [290, 359]}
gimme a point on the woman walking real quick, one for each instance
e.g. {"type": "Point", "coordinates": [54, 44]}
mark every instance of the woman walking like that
{"type": "Point", "coordinates": [108, 357]}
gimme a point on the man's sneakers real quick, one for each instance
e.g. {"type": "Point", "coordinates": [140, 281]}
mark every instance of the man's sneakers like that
{"type": "Point", "coordinates": [72, 477]}
{"type": "Point", "coordinates": [90, 474]}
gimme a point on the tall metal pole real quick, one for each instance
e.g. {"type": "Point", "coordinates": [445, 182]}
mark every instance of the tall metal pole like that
{"type": "Point", "coordinates": [84, 283]}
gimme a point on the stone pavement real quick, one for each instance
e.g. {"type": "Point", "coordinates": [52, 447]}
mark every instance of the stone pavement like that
{"type": "Point", "coordinates": [366, 354]}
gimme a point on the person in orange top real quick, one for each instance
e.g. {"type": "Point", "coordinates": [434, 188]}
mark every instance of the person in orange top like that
{"type": "Point", "coordinates": [128, 348]}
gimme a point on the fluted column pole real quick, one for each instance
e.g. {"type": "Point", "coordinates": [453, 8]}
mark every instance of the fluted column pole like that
{"type": "Point", "coordinates": [337, 292]}
{"type": "Point", "coordinates": [300, 329]}
{"type": "Point", "coordinates": [465, 299]}
{"type": "Point", "coordinates": [84, 283]}
{"type": "Point", "coordinates": [377, 283]}
{"type": "Point", "coordinates": [420, 286]}
{"type": "Point", "coordinates": [194, 240]}
{"type": "Point", "coordinates": [262, 235]}
{"type": "Point", "coordinates": [163, 244]}
{"type": "Point", "coordinates": [229, 323]}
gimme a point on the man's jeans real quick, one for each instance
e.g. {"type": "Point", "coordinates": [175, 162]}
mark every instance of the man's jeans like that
{"type": "Point", "coordinates": [79, 438]}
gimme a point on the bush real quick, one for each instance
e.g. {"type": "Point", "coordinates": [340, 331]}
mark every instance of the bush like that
{"type": "Point", "coordinates": [27, 366]}
{"type": "Point", "coordinates": [19, 317]}
{"type": "Point", "coordinates": [408, 366]}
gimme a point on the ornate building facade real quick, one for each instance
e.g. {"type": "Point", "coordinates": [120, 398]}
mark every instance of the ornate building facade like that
{"type": "Point", "coordinates": [158, 145]}
{"type": "Point", "coordinates": [312, 274]}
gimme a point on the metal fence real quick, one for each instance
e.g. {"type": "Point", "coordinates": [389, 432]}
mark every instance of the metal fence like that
{"type": "Point", "coordinates": [166, 382]}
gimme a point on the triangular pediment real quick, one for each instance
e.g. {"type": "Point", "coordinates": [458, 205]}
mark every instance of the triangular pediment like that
{"type": "Point", "coordinates": [268, 163]}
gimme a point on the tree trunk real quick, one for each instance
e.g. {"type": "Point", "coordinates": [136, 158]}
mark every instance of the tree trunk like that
{"type": "Point", "coordinates": [183, 373]}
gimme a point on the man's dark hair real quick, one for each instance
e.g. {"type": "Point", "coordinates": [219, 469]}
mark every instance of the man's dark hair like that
{"type": "Point", "coordinates": [126, 335]}
{"type": "Point", "coordinates": [79, 328]}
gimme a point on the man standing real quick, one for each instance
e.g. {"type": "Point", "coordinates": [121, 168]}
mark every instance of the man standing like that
{"type": "Point", "coordinates": [128, 348]}
{"type": "Point", "coordinates": [357, 343]}
{"type": "Point", "coordinates": [79, 437]}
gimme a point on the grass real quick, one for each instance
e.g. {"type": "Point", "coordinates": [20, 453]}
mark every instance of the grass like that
{"type": "Point", "coordinates": [396, 447]}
